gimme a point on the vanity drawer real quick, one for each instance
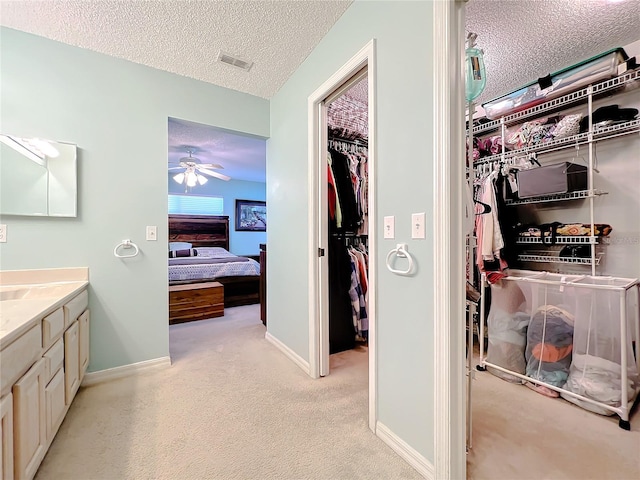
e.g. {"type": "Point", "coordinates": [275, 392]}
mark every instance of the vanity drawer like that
{"type": "Point", "coordinates": [75, 307]}
{"type": "Point", "coordinates": [52, 326]}
{"type": "Point", "coordinates": [17, 357]}
{"type": "Point", "coordinates": [53, 359]}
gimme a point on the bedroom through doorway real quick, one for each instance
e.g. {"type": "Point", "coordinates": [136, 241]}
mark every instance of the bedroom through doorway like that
{"type": "Point", "coordinates": [216, 194]}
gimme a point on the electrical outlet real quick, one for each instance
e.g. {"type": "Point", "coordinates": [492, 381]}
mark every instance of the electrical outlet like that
{"type": "Point", "coordinates": [417, 225]}
{"type": "Point", "coordinates": [152, 232]}
{"type": "Point", "coordinates": [3, 233]}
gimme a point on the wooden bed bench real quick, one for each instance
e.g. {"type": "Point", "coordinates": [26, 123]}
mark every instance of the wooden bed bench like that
{"type": "Point", "coordinates": [195, 301]}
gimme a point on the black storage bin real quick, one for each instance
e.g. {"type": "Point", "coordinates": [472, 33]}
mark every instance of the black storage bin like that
{"type": "Point", "coordinates": [552, 179]}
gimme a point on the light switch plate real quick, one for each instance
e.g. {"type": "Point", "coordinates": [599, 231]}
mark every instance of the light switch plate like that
{"type": "Point", "coordinates": [417, 225]}
{"type": "Point", "coordinates": [152, 232]}
{"type": "Point", "coordinates": [3, 233]}
{"type": "Point", "coordinates": [389, 227]}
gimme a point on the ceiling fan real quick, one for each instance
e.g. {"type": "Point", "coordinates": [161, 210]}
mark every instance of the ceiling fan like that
{"type": "Point", "coordinates": [193, 170]}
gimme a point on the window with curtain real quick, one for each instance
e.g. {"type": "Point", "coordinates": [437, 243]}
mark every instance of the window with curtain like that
{"type": "Point", "coordinates": [195, 205]}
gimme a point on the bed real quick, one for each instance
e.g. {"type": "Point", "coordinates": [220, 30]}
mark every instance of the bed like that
{"type": "Point", "coordinates": [209, 236]}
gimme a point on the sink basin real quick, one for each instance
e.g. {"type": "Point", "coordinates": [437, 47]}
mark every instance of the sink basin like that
{"type": "Point", "coordinates": [14, 294]}
{"type": "Point", "coordinates": [26, 292]}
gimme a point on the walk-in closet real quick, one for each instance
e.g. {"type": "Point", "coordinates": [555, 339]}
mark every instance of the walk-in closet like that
{"type": "Point", "coordinates": [348, 224]}
{"type": "Point", "coordinates": [553, 267]}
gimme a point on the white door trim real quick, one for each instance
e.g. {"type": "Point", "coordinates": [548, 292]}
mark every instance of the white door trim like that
{"type": "Point", "coordinates": [449, 268]}
{"type": "Point", "coordinates": [318, 317]}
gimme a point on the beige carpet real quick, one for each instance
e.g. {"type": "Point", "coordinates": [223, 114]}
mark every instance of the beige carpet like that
{"type": "Point", "coordinates": [230, 407]}
{"type": "Point", "coordinates": [520, 434]}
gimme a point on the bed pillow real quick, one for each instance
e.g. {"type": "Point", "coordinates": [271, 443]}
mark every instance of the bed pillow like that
{"type": "Point", "coordinates": [187, 252]}
{"type": "Point", "coordinates": [179, 245]}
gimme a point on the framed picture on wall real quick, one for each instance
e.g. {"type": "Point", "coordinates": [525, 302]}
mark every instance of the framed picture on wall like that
{"type": "Point", "coordinates": [251, 216]}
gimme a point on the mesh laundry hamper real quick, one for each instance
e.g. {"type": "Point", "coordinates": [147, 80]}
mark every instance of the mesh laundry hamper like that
{"type": "Point", "coordinates": [550, 330]}
{"type": "Point", "coordinates": [507, 323]}
{"type": "Point", "coordinates": [596, 370]}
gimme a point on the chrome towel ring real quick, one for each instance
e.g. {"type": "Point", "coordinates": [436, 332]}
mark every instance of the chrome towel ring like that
{"type": "Point", "coordinates": [126, 244]}
{"type": "Point", "coordinates": [401, 251]}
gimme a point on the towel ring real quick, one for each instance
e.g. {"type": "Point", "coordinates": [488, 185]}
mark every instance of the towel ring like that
{"type": "Point", "coordinates": [126, 244]}
{"type": "Point", "coordinates": [401, 251]}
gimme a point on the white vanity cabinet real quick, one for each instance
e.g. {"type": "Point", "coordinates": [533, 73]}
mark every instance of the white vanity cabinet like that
{"type": "Point", "coordinates": [29, 423]}
{"type": "Point", "coordinates": [6, 436]}
{"type": "Point", "coordinates": [42, 368]}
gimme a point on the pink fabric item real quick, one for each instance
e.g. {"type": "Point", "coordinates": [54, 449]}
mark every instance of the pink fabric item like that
{"type": "Point", "coordinates": [542, 390]}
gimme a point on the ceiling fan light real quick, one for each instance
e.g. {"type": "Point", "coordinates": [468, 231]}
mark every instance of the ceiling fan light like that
{"type": "Point", "coordinates": [179, 177]}
{"type": "Point", "coordinates": [191, 179]}
{"type": "Point", "coordinates": [202, 179]}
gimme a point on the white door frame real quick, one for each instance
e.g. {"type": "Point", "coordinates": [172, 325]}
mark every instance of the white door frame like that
{"type": "Point", "coordinates": [318, 266]}
{"type": "Point", "coordinates": [449, 250]}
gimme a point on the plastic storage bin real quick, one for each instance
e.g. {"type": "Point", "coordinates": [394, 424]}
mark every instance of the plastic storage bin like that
{"type": "Point", "coordinates": [557, 84]}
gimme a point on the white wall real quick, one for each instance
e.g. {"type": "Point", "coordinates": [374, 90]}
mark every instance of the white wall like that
{"type": "Point", "coordinates": [116, 112]}
{"type": "Point", "coordinates": [403, 31]}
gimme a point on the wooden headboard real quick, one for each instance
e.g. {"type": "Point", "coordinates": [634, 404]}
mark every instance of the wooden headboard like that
{"type": "Point", "coordinates": [200, 230]}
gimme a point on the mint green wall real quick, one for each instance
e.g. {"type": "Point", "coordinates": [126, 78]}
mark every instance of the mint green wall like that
{"type": "Point", "coordinates": [240, 243]}
{"type": "Point", "coordinates": [403, 31]}
{"type": "Point", "coordinates": [116, 112]}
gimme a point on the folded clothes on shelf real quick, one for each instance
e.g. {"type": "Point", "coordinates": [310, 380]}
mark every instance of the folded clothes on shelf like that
{"type": "Point", "coordinates": [562, 229]}
{"type": "Point", "coordinates": [608, 115]}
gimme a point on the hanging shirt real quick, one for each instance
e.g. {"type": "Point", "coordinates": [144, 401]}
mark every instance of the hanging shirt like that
{"type": "Point", "coordinates": [334, 206]}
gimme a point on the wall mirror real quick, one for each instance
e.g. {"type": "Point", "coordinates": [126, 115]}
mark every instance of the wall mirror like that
{"type": "Point", "coordinates": [37, 177]}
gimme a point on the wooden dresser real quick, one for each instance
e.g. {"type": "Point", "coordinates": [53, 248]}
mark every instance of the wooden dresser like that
{"type": "Point", "coordinates": [195, 301]}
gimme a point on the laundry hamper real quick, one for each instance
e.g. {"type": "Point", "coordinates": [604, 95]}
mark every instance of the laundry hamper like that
{"type": "Point", "coordinates": [582, 338]}
{"type": "Point", "coordinates": [605, 344]}
{"type": "Point", "coordinates": [507, 330]}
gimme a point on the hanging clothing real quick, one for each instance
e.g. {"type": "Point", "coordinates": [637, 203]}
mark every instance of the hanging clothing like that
{"type": "Point", "coordinates": [347, 178]}
{"type": "Point", "coordinates": [345, 193]}
{"type": "Point", "coordinates": [341, 331]}
{"type": "Point", "coordinates": [490, 256]}
{"type": "Point", "coordinates": [335, 213]}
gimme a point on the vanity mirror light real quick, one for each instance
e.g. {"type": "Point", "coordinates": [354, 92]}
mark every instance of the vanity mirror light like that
{"type": "Point", "coordinates": [37, 177]}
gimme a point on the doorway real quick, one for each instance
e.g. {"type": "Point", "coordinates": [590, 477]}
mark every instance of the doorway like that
{"type": "Point", "coordinates": [359, 69]}
{"type": "Point", "coordinates": [216, 224]}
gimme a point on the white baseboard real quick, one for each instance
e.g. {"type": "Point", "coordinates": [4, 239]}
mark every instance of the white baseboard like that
{"type": "Point", "coordinates": [293, 356]}
{"type": "Point", "coordinates": [125, 370]}
{"type": "Point", "coordinates": [410, 455]}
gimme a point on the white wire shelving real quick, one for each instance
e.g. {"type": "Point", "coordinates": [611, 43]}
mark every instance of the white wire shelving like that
{"type": "Point", "coordinates": [560, 102]}
{"type": "Point", "coordinates": [559, 240]}
{"type": "Point", "coordinates": [549, 257]}
{"type": "Point", "coordinates": [557, 197]}
{"type": "Point", "coordinates": [600, 134]}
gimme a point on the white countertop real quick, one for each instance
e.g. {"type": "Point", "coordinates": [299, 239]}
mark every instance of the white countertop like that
{"type": "Point", "coordinates": [35, 294]}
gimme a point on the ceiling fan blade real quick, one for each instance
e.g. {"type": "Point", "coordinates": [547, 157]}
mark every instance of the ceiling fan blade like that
{"type": "Point", "coordinates": [215, 174]}
{"type": "Point", "coordinates": [176, 168]}
{"type": "Point", "coordinates": [215, 166]}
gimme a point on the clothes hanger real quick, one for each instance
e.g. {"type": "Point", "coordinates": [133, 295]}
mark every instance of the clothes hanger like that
{"type": "Point", "coordinates": [485, 208]}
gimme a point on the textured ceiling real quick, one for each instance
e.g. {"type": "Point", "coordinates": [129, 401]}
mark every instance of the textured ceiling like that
{"type": "Point", "coordinates": [524, 40]}
{"type": "Point", "coordinates": [185, 36]}
{"type": "Point", "coordinates": [242, 156]}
